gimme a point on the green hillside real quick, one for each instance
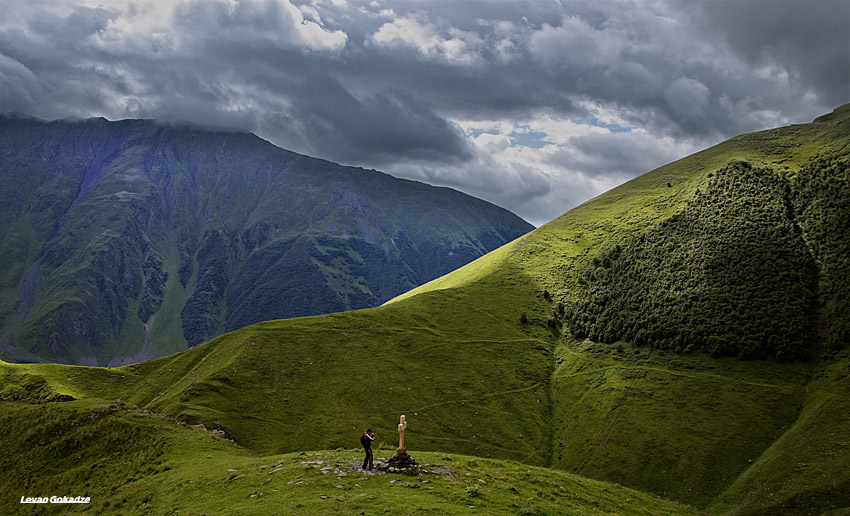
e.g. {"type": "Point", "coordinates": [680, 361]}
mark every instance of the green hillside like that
{"type": "Point", "coordinates": [517, 357]}
{"type": "Point", "coordinates": [130, 240]}
{"type": "Point", "coordinates": [131, 461]}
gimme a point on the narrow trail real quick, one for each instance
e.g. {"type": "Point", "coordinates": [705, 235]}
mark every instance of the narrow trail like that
{"type": "Point", "coordinates": [697, 375]}
{"type": "Point", "coordinates": [468, 400]}
{"type": "Point", "coordinates": [720, 377]}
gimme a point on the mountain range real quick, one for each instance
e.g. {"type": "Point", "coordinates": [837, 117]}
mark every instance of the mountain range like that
{"type": "Point", "coordinates": [677, 345]}
{"type": "Point", "coordinates": [125, 241]}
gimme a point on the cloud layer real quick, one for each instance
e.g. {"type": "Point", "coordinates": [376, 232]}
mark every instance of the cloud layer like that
{"type": "Point", "coordinates": [536, 106]}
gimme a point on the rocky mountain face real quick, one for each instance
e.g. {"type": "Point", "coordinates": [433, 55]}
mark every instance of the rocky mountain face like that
{"type": "Point", "coordinates": [124, 241]}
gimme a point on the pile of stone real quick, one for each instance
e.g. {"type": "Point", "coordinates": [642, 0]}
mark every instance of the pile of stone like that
{"type": "Point", "coordinates": [400, 463]}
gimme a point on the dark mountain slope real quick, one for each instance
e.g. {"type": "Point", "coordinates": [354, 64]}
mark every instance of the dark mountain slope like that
{"type": "Point", "coordinates": [135, 239]}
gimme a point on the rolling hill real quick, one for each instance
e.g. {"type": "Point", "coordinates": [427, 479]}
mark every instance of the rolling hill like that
{"type": "Point", "coordinates": [650, 337]}
{"type": "Point", "coordinates": [125, 241]}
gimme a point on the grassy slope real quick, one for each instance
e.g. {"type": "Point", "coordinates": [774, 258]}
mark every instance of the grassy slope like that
{"type": "Point", "coordinates": [131, 461]}
{"type": "Point", "coordinates": [702, 431]}
{"type": "Point", "coordinates": [311, 383]}
{"type": "Point", "coordinates": [571, 239]}
{"type": "Point", "coordinates": [681, 426]}
{"type": "Point", "coordinates": [805, 471]}
{"type": "Point", "coordinates": [614, 412]}
{"type": "Point", "coordinates": [709, 419]}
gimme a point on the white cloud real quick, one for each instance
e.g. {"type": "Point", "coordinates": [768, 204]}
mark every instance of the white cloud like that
{"type": "Point", "coordinates": [152, 24]}
{"type": "Point", "coordinates": [310, 32]}
{"type": "Point", "coordinates": [416, 31]}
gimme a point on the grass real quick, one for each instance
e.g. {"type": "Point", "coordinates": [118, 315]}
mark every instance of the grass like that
{"type": "Point", "coordinates": [723, 435]}
{"type": "Point", "coordinates": [131, 461]}
{"type": "Point", "coordinates": [313, 382]}
{"type": "Point", "coordinates": [680, 426]}
{"type": "Point", "coordinates": [807, 469]}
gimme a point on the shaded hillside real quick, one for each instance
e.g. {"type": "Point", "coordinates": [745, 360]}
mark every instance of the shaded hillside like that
{"type": "Point", "coordinates": [128, 240]}
{"type": "Point", "coordinates": [483, 362]}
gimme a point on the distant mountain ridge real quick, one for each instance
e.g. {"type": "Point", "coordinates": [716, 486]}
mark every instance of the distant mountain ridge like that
{"type": "Point", "coordinates": [128, 240]}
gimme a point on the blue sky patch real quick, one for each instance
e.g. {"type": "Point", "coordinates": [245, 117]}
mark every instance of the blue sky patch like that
{"type": "Point", "coordinates": [533, 139]}
{"type": "Point", "coordinates": [614, 128]}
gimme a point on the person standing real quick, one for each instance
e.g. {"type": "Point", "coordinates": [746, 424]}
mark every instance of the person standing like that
{"type": "Point", "coordinates": [366, 440]}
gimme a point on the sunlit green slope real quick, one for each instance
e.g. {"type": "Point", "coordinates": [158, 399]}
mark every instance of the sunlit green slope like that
{"type": "Point", "coordinates": [575, 236]}
{"type": "Point", "coordinates": [470, 381]}
{"type": "Point", "coordinates": [491, 360]}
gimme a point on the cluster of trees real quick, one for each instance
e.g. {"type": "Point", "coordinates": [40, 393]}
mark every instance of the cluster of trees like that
{"type": "Point", "coordinates": [821, 199]}
{"type": "Point", "coordinates": [730, 274]}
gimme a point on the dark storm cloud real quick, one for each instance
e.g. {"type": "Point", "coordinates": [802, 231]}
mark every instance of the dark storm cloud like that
{"type": "Point", "coordinates": [389, 124]}
{"type": "Point", "coordinates": [809, 39]}
{"type": "Point", "coordinates": [440, 90]}
{"type": "Point", "coordinates": [36, 73]}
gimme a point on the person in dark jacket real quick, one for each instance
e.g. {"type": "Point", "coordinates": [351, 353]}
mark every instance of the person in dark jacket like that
{"type": "Point", "coordinates": [366, 440]}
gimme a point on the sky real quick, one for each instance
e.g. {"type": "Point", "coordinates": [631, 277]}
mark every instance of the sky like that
{"type": "Point", "coordinates": [536, 106]}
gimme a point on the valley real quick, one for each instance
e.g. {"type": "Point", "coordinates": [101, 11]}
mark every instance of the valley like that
{"type": "Point", "coordinates": [499, 381]}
